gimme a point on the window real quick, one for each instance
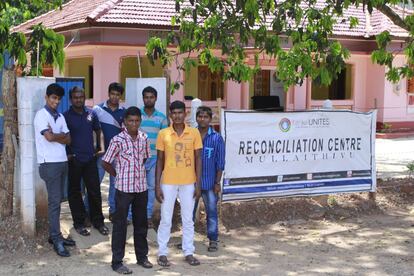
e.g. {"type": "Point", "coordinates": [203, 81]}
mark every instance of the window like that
{"type": "Point", "coordinates": [202, 84]}
{"type": "Point", "coordinates": [268, 91]}
{"type": "Point", "coordinates": [339, 89]}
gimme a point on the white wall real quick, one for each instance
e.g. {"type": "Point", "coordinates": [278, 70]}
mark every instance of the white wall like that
{"type": "Point", "coordinates": [30, 98]}
{"type": "Point", "coordinates": [134, 87]}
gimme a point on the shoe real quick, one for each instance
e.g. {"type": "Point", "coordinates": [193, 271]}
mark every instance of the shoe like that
{"type": "Point", "coordinates": [122, 269]}
{"type": "Point", "coordinates": [145, 263]}
{"type": "Point", "coordinates": [60, 249]}
{"type": "Point", "coordinates": [102, 229]}
{"type": "Point", "coordinates": [66, 241]}
{"type": "Point", "coordinates": [212, 246]}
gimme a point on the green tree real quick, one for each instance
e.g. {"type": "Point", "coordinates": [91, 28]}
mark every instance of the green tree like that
{"type": "Point", "coordinates": [235, 25]}
{"type": "Point", "coordinates": [14, 12]}
{"type": "Point", "coordinates": [41, 41]}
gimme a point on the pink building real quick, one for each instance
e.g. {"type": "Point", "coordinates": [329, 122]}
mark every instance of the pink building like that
{"type": "Point", "coordinates": [104, 39]}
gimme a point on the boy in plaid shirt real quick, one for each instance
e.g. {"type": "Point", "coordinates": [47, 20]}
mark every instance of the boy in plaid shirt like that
{"type": "Point", "coordinates": [130, 149]}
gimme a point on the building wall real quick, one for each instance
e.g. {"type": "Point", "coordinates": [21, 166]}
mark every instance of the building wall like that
{"type": "Point", "coordinates": [395, 99]}
{"type": "Point", "coordinates": [107, 61]}
{"type": "Point", "coordinates": [369, 89]}
{"type": "Point", "coordinates": [129, 68]}
{"type": "Point", "coordinates": [375, 83]}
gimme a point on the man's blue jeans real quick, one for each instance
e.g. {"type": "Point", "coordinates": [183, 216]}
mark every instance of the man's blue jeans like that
{"type": "Point", "coordinates": [150, 172]}
{"type": "Point", "coordinates": [111, 192]}
{"type": "Point", "coordinates": [210, 200]}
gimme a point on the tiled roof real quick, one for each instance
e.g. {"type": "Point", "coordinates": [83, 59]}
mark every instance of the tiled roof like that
{"type": "Point", "coordinates": [145, 13]}
{"type": "Point", "coordinates": [72, 13]}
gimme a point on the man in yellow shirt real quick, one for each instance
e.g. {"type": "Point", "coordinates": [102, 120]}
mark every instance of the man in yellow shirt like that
{"type": "Point", "coordinates": [179, 162]}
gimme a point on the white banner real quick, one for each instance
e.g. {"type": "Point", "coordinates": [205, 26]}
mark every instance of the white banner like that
{"type": "Point", "coordinates": [298, 153]}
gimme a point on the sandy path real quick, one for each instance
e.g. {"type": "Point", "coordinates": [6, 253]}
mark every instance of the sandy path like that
{"type": "Point", "coordinates": [369, 245]}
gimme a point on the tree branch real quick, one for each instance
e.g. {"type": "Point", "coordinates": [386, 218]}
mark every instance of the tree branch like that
{"type": "Point", "coordinates": [393, 16]}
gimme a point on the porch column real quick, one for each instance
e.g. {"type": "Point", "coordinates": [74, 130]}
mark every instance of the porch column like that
{"type": "Point", "coordinates": [245, 95]}
{"type": "Point", "coordinates": [106, 69]}
{"type": "Point", "coordinates": [234, 95]}
{"type": "Point", "coordinates": [300, 96]}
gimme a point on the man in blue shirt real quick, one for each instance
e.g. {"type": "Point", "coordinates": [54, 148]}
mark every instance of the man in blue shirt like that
{"type": "Point", "coordinates": [111, 116]}
{"type": "Point", "coordinates": [213, 159]}
{"type": "Point", "coordinates": [82, 122]}
{"type": "Point", "coordinates": [152, 122]}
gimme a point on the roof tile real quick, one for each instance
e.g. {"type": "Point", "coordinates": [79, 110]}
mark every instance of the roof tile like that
{"type": "Point", "coordinates": [159, 13]}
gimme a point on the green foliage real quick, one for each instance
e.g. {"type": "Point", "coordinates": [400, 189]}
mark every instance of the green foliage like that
{"type": "Point", "coordinates": [14, 12]}
{"type": "Point", "coordinates": [353, 22]}
{"type": "Point", "coordinates": [332, 201]}
{"type": "Point", "coordinates": [296, 33]}
{"type": "Point", "coordinates": [50, 48]}
{"type": "Point", "coordinates": [410, 167]}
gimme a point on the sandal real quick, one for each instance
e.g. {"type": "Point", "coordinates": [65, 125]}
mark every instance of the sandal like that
{"type": "Point", "coordinates": [82, 231]}
{"type": "Point", "coordinates": [103, 230]}
{"type": "Point", "coordinates": [163, 261]}
{"type": "Point", "coordinates": [191, 260]}
{"type": "Point", "coordinates": [123, 270]}
{"type": "Point", "coordinates": [212, 246]}
{"type": "Point", "coordinates": [150, 224]}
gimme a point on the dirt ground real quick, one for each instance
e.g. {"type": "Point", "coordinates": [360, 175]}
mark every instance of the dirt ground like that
{"type": "Point", "coordinates": [346, 234]}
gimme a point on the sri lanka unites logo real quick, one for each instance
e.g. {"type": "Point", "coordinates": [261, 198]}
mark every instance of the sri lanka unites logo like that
{"type": "Point", "coordinates": [285, 125]}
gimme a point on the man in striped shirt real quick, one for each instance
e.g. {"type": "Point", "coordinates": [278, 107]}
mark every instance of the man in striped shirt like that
{"type": "Point", "coordinates": [213, 158]}
{"type": "Point", "coordinates": [130, 149]}
{"type": "Point", "coordinates": [152, 122]}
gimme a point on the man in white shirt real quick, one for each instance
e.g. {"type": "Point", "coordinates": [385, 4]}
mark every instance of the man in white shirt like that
{"type": "Point", "coordinates": [51, 137]}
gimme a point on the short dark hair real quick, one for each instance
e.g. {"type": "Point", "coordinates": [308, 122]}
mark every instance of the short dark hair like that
{"type": "Point", "coordinates": [149, 89]}
{"type": "Point", "coordinates": [116, 86]}
{"type": "Point", "coordinates": [75, 89]}
{"type": "Point", "coordinates": [132, 111]}
{"type": "Point", "coordinates": [206, 109]}
{"type": "Point", "coordinates": [177, 105]}
{"type": "Point", "coordinates": [55, 89]}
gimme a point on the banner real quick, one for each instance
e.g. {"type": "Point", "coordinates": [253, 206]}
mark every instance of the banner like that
{"type": "Point", "coordinates": [298, 153]}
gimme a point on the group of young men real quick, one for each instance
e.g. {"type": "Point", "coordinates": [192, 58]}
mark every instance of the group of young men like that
{"type": "Point", "coordinates": [145, 158]}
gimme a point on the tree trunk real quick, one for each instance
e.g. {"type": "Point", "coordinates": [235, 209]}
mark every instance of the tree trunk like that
{"type": "Point", "coordinates": [8, 155]}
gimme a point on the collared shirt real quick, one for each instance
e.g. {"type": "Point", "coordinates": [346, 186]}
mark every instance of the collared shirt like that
{"type": "Point", "coordinates": [81, 128]}
{"type": "Point", "coordinates": [179, 163]}
{"type": "Point", "coordinates": [213, 158]}
{"type": "Point", "coordinates": [52, 112]}
{"type": "Point", "coordinates": [48, 152]}
{"type": "Point", "coordinates": [152, 125]}
{"type": "Point", "coordinates": [111, 120]}
{"type": "Point", "coordinates": [129, 157]}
